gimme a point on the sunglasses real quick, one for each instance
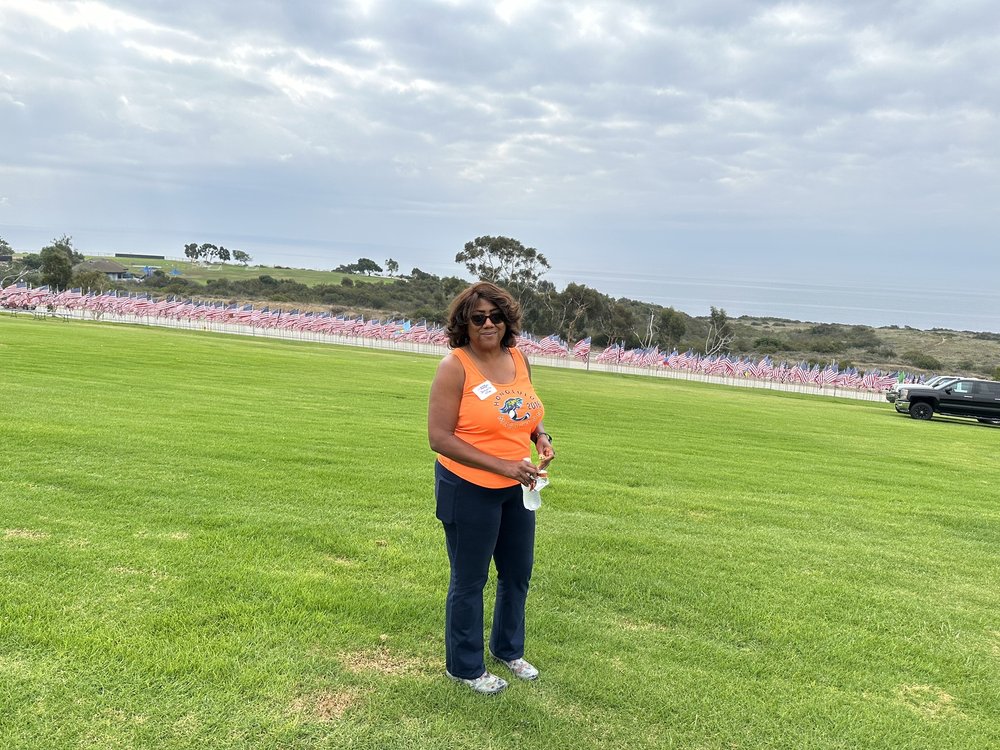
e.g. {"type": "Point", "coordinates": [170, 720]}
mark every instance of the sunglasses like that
{"type": "Point", "coordinates": [478, 319]}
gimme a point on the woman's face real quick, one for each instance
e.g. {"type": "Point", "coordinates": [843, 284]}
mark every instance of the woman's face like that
{"type": "Point", "coordinates": [490, 332]}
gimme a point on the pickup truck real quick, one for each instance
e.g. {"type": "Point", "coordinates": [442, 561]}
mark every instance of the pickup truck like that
{"type": "Point", "coordinates": [936, 382]}
{"type": "Point", "coordinates": [966, 397]}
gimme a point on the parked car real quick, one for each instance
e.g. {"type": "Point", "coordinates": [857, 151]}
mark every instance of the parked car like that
{"type": "Point", "coordinates": [938, 380]}
{"type": "Point", "coordinates": [966, 397]}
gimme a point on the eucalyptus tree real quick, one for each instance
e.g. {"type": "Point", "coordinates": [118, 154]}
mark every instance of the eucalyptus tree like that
{"type": "Point", "coordinates": [58, 260]}
{"type": "Point", "coordinates": [504, 261]}
{"type": "Point", "coordinates": [720, 331]}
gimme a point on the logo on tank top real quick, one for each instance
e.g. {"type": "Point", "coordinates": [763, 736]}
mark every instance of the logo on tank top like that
{"type": "Point", "coordinates": [515, 406]}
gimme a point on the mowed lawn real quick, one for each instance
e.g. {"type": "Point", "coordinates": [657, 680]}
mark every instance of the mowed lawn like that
{"type": "Point", "coordinates": [226, 542]}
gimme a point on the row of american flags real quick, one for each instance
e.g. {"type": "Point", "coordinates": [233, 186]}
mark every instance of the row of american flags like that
{"type": "Point", "coordinates": [725, 365]}
{"type": "Point", "coordinates": [142, 305]}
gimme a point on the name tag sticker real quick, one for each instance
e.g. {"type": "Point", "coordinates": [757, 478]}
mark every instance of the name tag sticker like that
{"type": "Point", "coordinates": [484, 390]}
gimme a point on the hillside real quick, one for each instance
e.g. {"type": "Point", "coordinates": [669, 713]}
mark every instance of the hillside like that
{"type": "Point", "coordinates": [889, 348]}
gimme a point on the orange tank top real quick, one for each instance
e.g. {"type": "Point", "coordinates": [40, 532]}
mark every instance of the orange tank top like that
{"type": "Point", "coordinates": [497, 418]}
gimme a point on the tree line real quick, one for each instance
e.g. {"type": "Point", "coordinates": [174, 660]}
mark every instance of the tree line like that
{"type": "Point", "coordinates": [54, 264]}
{"type": "Point", "coordinates": [209, 253]}
{"type": "Point", "coordinates": [575, 312]}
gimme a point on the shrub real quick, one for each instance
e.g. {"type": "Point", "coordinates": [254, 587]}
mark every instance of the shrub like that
{"type": "Point", "coordinates": [863, 337]}
{"type": "Point", "coordinates": [827, 345]}
{"type": "Point", "coordinates": [882, 352]}
{"type": "Point", "coordinates": [429, 313]}
{"type": "Point", "coordinates": [921, 360]}
{"type": "Point", "coordinates": [769, 344]}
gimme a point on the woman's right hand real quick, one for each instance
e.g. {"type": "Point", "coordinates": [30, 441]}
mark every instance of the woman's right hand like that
{"type": "Point", "coordinates": [524, 471]}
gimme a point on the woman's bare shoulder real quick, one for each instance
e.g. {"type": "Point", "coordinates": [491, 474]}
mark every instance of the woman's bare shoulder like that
{"type": "Point", "coordinates": [451, 367]}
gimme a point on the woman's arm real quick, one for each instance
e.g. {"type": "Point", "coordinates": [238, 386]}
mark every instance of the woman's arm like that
{"type": "Point", "coordinates": [442, 417]}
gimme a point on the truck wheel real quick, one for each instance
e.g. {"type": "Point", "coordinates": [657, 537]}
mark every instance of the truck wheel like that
{"type": "Point", "coordinates": [921, 411]}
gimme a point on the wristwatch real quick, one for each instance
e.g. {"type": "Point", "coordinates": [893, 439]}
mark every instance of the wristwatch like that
{"type": "Point", "coordinates": [535, 436]}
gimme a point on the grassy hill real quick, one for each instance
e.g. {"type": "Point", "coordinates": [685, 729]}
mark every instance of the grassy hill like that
{"type": "Point", "coordinates": [201, 272]}
{"type": "Point", "coordinates": [886, 348]}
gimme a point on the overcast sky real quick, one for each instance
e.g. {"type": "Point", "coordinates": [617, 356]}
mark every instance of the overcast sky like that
{"type": "Point", "coordinates": [831, 161]}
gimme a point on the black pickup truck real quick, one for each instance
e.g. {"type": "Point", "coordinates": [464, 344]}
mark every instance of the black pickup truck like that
{"type": "Point", "coordinates": [979, 399]}
{"type": "Point", "coordinates": [937, 381]}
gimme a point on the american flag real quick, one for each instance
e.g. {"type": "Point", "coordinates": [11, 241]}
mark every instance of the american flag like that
{"type": "Point", "coordinates": [419, 332]}
{"type": "Point", "coordinates": [553, 346]}
{"type": "Point", "coordinates": [849, 378]}
{"type": "Point", "coordinates": [527, 344]}
{"type": "Point", "coordinates": [687, 360]}
{"type": "Point", "coordinates": [765, 368]}
{"type": "Point", "coordinates": [610, 355]}
{"type": "Point", "coordinates": [651, 357]}
{"type": "Point", "coordinates": [20, 295]}
{"type": "Point", "coordinates": [828, 374]}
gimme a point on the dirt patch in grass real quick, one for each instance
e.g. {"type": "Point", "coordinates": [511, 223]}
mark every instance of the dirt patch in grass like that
{"type": "Point", "coordinates": [337, 560]}
{"type": "Point", "coordinates": [638, 626]}
{"type": "Point", "coordinates": [10, 665]}
{"type": "Point", "coordinates": [380, 660]}
{"type": "Point", "coordinates": [929, 701]}
{"type": "Point", "coordinates": [188, 725]}
{"type": "Point", "coordinates": [32, 534]}
{"type": "Point", "coordinates": [701, 515]}
{"type": "Point", "coordinates": [177, 536]}
{"type": "Point", "coordinates": [565, 710]}
{"type": "Point", "coordinates": [323, 707]}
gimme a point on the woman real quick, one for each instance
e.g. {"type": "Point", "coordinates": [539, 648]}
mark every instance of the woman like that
{"type": "Point", "coordinates": [482, 418]}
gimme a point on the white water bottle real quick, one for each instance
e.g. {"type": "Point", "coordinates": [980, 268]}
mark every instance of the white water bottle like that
{"type": "Point", "coordinates": [531, 496]}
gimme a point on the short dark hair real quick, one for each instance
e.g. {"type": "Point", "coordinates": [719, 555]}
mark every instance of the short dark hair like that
{"type": "Point", "coordinates": [461, 308]}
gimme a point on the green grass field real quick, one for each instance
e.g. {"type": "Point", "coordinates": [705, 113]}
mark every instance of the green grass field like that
{"type": "Point", "coordinates": [225, 542]}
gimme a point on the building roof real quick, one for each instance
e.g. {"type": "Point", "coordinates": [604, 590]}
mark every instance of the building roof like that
{"type": "Point", "coordinates": [101, 266]}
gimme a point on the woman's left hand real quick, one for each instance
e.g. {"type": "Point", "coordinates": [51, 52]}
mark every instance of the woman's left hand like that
{"type": "Point", "coordinates": [545, 452]}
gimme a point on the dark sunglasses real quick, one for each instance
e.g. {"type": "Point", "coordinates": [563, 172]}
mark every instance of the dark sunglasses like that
{"type": "Point", "coordinates": [496, 318]}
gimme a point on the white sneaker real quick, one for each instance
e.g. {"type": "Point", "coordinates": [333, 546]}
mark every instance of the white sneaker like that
{"type": "Point", "coordinates": [521, 669]}
{"type": "Point", "coordinates": [486, 683]}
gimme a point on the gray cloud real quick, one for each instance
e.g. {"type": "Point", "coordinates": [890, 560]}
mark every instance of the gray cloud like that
{"type": "Point", "coordinates": [746, 132]}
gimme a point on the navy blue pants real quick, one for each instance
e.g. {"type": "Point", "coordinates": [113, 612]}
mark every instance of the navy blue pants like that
{"type": "Point", "coordinates": [481, 524]}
